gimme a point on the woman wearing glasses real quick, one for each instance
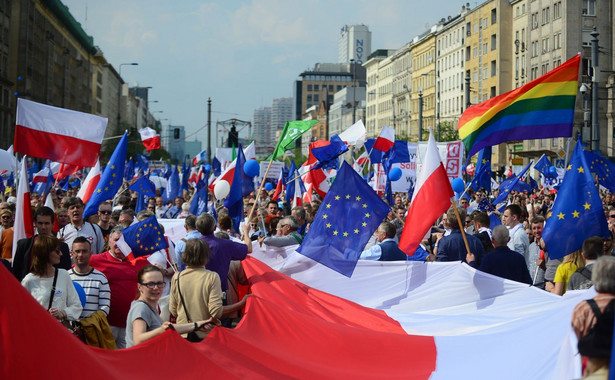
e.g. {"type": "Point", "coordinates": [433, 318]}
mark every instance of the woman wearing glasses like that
{"type": "Point", "coordinates": [51, 287]}
{"type": "Point", "coordinates": [143, 321]}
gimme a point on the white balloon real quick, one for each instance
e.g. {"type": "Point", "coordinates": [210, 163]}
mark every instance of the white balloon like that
{"type": "Point", "coordinates": [221, 189]}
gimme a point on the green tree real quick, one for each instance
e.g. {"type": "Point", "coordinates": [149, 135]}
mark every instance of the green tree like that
{"type": "Point", "coordinates": [448, 132]}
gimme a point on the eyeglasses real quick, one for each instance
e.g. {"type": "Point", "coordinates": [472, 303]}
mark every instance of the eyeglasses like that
{"type": "Point", "coordinates": [612, 216]}
{"type": "Point", "coordinates": [105, 211]}
{"type": "Point", "coordinates": [253, 225]}
{"type": "Point", "coordinates": [152, 285]}
{"type": "Point", "coordinates": [6, 217]}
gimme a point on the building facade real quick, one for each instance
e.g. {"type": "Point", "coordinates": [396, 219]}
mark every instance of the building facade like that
{"type": "Point", "coordinates": [355, 44]}
{"type": "Point", "coordinates": [263, 141]}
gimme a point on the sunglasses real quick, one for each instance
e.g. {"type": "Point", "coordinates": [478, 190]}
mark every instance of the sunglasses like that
{"type": "Point", "coordinates": [5, 217]}
{"type": "Point", "coordinates": [152, 285]}
{"type": "Point", "coordinates": [612, 215]}
{"type": "Point", "coordinates": [105, 211]}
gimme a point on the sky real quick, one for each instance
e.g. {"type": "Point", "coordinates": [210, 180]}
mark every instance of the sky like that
{"type": "Point", "coordinates": [240, 53]}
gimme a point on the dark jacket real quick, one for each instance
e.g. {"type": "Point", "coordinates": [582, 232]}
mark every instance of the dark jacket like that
{"type": "Point", "coordinates": [506, 263]}
{"type": "Point", "coordinates": [23, 260]}
{"type": "Point", "coordinates": [391, 252]}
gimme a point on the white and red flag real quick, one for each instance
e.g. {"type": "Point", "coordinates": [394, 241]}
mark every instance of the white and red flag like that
{"type": "Point", "coordinates": [278, 188]}
{"type": "Point", "coordinates": [150, 138]}
{"type": "Point", "coordinates": [89, 184]}
{"type": "Point", "coordinates": [58, 134]}
{"type": "Point", "coordinates": [23, 227]}
{"type": "Point", "coordinates": [431, 198]}
{"type": "Point", "coordinates": [355, 135]}
{"type": "Point", "coordinates": [385, 140]}
{"type": "Point", "coordinates": [201, 157]}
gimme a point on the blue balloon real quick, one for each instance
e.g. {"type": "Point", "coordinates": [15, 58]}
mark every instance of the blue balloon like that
{"type": "Point", "coordinates": [207, 168]}
{"type": "Point", "coordinates": [268, 186]}
{"type": "Point", "coordinates": [458, 185]}
{"type": "Point", "coordinates": [552, 172]}
{"type": "Point", "coordinates": [251, 168]}
{"type": "Point", "coordinates": [394, 174]}
{"type": "Point", "coordinates": [80, 292]}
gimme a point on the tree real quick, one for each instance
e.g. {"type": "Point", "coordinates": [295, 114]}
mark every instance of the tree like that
{"type": "Point", "coordinates": [448, 132]}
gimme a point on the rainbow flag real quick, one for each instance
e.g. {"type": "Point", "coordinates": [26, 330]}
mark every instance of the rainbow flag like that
{"type": "Point", "coordinates": [543, 108]}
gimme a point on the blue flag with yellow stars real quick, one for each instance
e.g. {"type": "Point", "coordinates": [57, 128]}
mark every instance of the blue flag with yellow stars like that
{"type": "Point", "coordinates": [577, 212]}
{"type": "Point", "coordinates": [511, 184]}
{"type": "Point", "coordinates": [144, 186]}
{"type": "Point", "coordinates": [604, 169]}
{"type": "Point", "coordinates": [346, 219]}
{"type": "Point", "coordinates": [543, 165]}
{"type": "Point", "coordinates": [111, 179]}
{"type": "Point", "coordinates": [145, 237]}
{"type": "Point", "coordinates": [482, 176]}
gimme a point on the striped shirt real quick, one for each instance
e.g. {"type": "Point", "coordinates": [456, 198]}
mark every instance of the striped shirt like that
{"type": "Point", "coordinates": [96, 287]}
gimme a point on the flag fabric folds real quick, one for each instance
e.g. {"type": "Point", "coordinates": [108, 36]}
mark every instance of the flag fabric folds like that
{"type": "Point", "coordinates": [58, 134]}
{"type": "Point", "coordinates": [89, 184]}
{"type": "Point", "coordinates": [577, 212]}
{"type": "Point", "coordinates": [512, 184]}
{"type": "Point", "coordinates": [431, 198]}
{"type": "Point", "coordinates": [143, 238]}
{"type": "Point", "coordinates": [291, 132]}
{"type": "Point", "coordinates": [543, 165]}
{"type": "Point", "coordinates": [347, 218]}
{"type": "Point", "coordinates": [172, 190]}
{"type": "Point", "coordinates": [279, 187]}
{"type": "Point", "coordinates": [355, 135]}
{"type": "Point", "coordinates": [241, 186]}
{"type": "Point", "coordinates": [23, 226]}
{"type": "Point", "coordinates": [603, 168]}
{"type": "Point", "coordinates": [398, 154]}
{"type": "Point", "coordinates": [144, 186]}
{"type": "Point", "coordinates": [111, 179]}
{"type": "Point", "coordinates": [327, 155]}
{"type": "Point", "coordinates": [200, 158]}
{"type": "Point", "coordinates": [543, 108]}
{"type": "Point", "coordinates": [150, 138]}
{"type": "Point", "coordinates": [482, 176]}
{"type": "Point", "coordinates": [385, 140]}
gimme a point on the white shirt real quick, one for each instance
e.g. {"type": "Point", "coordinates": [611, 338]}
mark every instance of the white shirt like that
{"type": "Point", "coordinates": [65, 297]}
{"type": "Point", "coordinates": [519, 242]}
{"type": "Point", "coordinates": [90, 231]}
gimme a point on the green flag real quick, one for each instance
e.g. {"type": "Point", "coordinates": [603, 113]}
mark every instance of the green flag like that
{"type": "Point", "coordinates": [291, 132]}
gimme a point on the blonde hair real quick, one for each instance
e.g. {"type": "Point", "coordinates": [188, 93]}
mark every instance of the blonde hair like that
{"type": "Point", "coordinates": [576, 258]}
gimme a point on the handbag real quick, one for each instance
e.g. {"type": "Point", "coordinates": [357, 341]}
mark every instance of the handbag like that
{"type": "Point", "coordinates": [73, 326]}
{"type": "Point", "coordinates": [192, 336]}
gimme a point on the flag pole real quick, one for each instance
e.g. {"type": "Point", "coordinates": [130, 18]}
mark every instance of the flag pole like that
{"type": "Point", "coordinates": [463, 232]}
{"type": "Point", "coordinates": [260, 187]}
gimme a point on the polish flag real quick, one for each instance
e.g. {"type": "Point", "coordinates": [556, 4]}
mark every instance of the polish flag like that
{"type": "Point", "coordinates": [89, 185]}
{"type": "Point", "coordinates": [202, 156]}
{"type": "Point", "coordinates": [61, 171]}
{"type": "Point", "coordinates": [227, 175]}
{"type": "Point", "coordinates": [431, 198]}
{"type": "Point", "coordinates": [58, 134]}
{"type": "Point", "coordinates": [355, 135]}
{"type": "Point", "coordinates": [278, 188]}
{"type": "Point", "coordinates": [41, 176]}
{"type": "Point", "coordinates": [150, 138]}
{"type": "Point", "coordinates": [49, 203]}
{"type": "Point", "coordinates": [23, 226]}
{"type": "Point", "coordinates": [385, 140]}
{"type": "Point", "coordinates": [360, 162]}
{"type": "Point", "coordinates": [297, 199]}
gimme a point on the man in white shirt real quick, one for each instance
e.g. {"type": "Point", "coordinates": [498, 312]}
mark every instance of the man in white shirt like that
{"type": "Point", "coordinates": [519, 241]}
{"type": "Point", "coordinates": [93, 281]}
{"type": "Point", "coordinates": [79, 227]}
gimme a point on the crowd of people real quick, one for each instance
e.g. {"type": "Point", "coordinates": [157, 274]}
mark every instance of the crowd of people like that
{"type": "Point", "coordinates": [199, 282]}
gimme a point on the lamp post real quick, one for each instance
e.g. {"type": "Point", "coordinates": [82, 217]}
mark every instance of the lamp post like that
{"type": "Point", "coordinates": [420, 114]}
{"type": "Point", "coordinates": [595, 123]}
{"type": "Point", "coordinates": [354, 106]}
{"type": "Point", "coordinates": [587, 135]}
{"type": "Point", "coordinates": [119, 98]}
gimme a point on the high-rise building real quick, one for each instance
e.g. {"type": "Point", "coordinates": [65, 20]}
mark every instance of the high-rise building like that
{"type": "Point", "coordinates": [263, 142]}
{"type": "Point", "coordinates": [174, 141]}
{"type": "Point", "coordinates": [355, 44]}
{"type": "Point", "coordinates": [281, 112]}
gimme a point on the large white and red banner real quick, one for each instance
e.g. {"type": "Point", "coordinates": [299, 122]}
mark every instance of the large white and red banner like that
{"type": "Point", "coordinates": [58, 134]}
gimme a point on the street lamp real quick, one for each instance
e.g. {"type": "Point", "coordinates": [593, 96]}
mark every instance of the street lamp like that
{"type": "Point", "coordinates": [119, 98]}
{"type": "Point", "coordinates": [587, 135]}
{"type": "Point", "coordinates": [420, 114]}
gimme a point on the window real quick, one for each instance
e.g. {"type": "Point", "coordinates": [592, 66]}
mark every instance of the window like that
{"type": "Point", "coordinates": [475, 52]}
{"type": "Point", "coordinates": [555, 143]}
{"type": "Point", "coordinates": [493, 42]}
{"type": "Point", "coordinates": [493, 68]}
{"type": "Point", "coordinates": [485, 48]}
{"type": "Point", "coordinates": [545, 44]}
{"type": "Point", "coordinates": [589, 8]}
{"type": "Point", "coordinates": [557, 10]}
{"type": "Point", "coordinates": [534, 48]}
{"type": "Point", "coordinates": [493, 92]}
{"type": "Point", "coordinates": [557, 41]}
{"type": "Point", "coordinates": [534, 20]}
{"type": "Point", "coordinates": [545, 15]}
{"type": "Point", "coordinates": [494, 16]}
{"type": "Point", "coordinates": [315, 98]}
{"type": "Point", "coordinates": [485, 73]}
{"type": "Point", "coordinates": [309, 87]}
{"type": "Point", "coordinates": [316, 87]}
{"type": "Point", "coordinates": [474, 76]}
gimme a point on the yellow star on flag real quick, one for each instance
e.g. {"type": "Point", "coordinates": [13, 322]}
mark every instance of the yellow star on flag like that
{"type": "Point", "coordinates": [560, 215]}
{"type": "Point", "coordinates": [575, 214]}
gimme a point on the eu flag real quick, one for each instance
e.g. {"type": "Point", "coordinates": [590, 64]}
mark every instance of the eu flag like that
{"type": "Point", "coordinates": [172, 190]}
{"type": "Point", "coordinates": [241, 186]}
{"type": "Point", "coordinates": [111, 179]}
{"type": "Point", "coordinates": [577, 212]}
{"type": "Point", "coordinates": [327, 155]}
{"type": "Point", "coordinates": [346, 219]}
{"type": "Point", "coordinates": [482, 178]}
{"type": "Point", "coordinates": [145, 237]}
{"type": "Point", "coordinates": [398, 154]}
{"type": "Point", "coordinates": [604, 169]}
{"type": "Point", "coordinates": [511, 184]}
{"type": "Point", "coordinates": [144, 186]}
{"type": "Point", "coordinates": [543, 165]}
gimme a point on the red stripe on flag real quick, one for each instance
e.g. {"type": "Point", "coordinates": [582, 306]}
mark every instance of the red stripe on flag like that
{"type": "Point", "coordinates": [55, 147]}
{"type": "Point", "coordinates": [152, 143]}
{"type": "Point", "coordinates": [27, 215]}
{"type": "Point", "coordinates": [90, 187]}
